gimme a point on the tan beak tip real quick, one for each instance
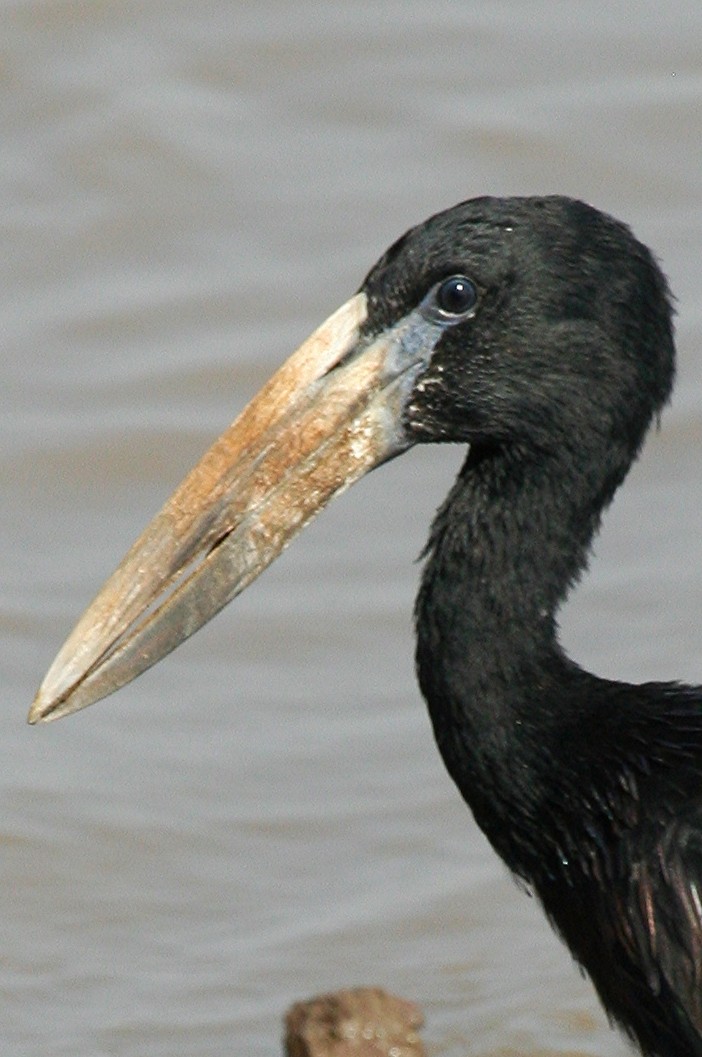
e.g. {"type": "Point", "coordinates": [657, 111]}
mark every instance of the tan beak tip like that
{"type": "Point", "coordinates": [42, 711]}
{"type": "Point", "coordinates": [36, 712]}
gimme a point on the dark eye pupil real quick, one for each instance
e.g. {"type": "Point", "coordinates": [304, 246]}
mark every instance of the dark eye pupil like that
{"type": "Point", "coordinates": [456, 295]}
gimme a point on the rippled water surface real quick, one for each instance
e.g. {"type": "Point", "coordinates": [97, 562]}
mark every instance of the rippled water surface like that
{"type": "Point", "coordinates": [187, 189]}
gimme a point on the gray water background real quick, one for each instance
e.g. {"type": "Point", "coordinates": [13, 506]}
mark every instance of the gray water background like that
{"type": "Point", "coordinates": [187, 189]}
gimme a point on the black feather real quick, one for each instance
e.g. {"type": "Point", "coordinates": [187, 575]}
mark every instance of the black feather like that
{"type": "Point", "coordinates": [590, 790]}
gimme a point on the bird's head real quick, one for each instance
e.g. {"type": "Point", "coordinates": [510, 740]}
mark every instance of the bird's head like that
{"type": "Point", "coordinates": [539, 324]}
{"type": "Point", "coordinates": [549, 320]}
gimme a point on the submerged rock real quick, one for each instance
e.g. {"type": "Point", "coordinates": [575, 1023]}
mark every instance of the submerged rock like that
{"type": "Point", "coordinates": [359, 1022]}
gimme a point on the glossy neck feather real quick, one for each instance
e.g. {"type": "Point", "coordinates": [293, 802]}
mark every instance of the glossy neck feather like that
{"type": "Point", "coordinates": [505, 702]}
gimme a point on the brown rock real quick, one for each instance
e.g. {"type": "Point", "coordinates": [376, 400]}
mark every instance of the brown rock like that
{"type": "Point", "coordinates": [360, 1022]}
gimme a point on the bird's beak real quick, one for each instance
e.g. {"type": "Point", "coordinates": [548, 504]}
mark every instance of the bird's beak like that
{"type": "Point", "coordinates": [328, 416]}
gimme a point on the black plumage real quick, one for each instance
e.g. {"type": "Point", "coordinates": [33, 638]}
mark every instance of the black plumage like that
{"type": "Point", "coordinates": [590, 790]}
{"type": "Point", "coordinates": [538, 331]}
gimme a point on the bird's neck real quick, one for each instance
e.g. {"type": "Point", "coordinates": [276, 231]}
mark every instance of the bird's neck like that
{"type": "Point", "coordinates": [506, 546]}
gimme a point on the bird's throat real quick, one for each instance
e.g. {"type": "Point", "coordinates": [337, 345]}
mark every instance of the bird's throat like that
{"type": "Point", "coordinates": [505, 548]}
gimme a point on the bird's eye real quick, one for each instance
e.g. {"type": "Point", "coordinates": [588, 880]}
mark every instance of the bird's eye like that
{"type": "Point", "coordinates": [456, 297]}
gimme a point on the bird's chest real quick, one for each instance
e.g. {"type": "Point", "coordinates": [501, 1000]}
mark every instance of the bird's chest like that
{"type": "Point", "coordinates": [536, 798]}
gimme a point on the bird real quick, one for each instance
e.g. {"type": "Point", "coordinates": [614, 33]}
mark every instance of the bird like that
{"type": "Point", "coordinates": [537, 331]}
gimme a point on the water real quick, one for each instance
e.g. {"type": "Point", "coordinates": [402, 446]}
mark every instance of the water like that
{"type": "Point", "coordinates": [187, 190]}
